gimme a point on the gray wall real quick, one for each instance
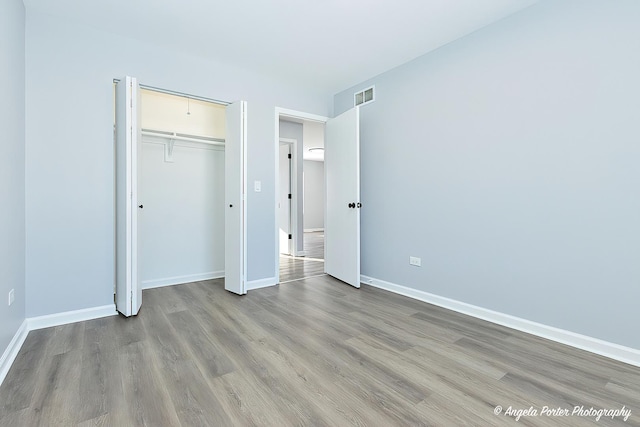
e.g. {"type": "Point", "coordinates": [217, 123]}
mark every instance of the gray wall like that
{"type": "Point", "coordinates": [12, 228]}
{"type": "Point", "coordinates": [182, 223]}
{"type": "Point", "coordinates": [508, 161]}
{"type": "Point", "coordinates": [69, 155]}
{"type": "Point", "coordinates": [313, 194]}
{"type": "Point", "coordinates": [294, 131]}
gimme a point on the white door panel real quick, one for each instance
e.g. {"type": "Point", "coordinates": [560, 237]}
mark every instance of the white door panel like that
{"type": "Point", "coordinates": [128, 289]}
{"type": "Point", "coordinates": [285, 201]}
{"type": "Point", "coordinates": [235, 266]}
{"type": "Point", "coordinates": [342, 202]}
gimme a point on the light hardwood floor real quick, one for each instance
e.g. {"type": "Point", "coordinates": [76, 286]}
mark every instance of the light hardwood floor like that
{"type": "Point", "coordinates": [314, 244]}
{"type": "Point", "coordinates": [312, 264]}
{"type": "Point", "coordinates": [313, 352]}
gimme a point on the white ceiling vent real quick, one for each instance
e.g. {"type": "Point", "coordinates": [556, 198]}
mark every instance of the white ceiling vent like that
{"type": "Point", "coordinates": [365, 96]}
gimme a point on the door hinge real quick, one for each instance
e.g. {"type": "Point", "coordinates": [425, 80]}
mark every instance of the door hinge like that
{"type": "Point", "coordinates": [290, 236]}
{"type": "Point", "coordinates": [289, 195]}
{"type": "Point", "coordinates": [289, 155]}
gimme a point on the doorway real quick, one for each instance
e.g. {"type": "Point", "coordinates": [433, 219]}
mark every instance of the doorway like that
{"type": "Point", "coordinates": [313, 189]}
{"type": "Point", "coordinates": [180, 191]}
{"type": "Point", "coordinates": [300, 204]}
{"type": "Point", "coordinates": [342, 205]}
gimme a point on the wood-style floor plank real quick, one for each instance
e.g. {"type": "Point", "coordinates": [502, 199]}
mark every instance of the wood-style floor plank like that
{"type": "Point", "coordinates": [310, 352]}
{"type": "Point", "coordinates": [311, 265]}
{"type": "Point", "coordinates": [314, 244]}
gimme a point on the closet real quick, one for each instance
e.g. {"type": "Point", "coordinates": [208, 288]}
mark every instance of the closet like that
{"type": "Point", "coordinates": [181, 190]}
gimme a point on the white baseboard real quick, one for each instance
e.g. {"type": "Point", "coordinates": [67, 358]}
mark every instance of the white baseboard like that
{"type": "Point", "coordinates": [66, 317]}
{"type": "Point", "coordinates": [12, 350]}
{"type": "Point", "coordinates": [312, 230]}
{"type": "Point", "coordinates": [594, 345]}
{"type": "Point", "coordinates": [261, 283]}
{"type": "Point", "coordinates": [41, 322]}
{"type": "Point", "coordinates": [178, 280]}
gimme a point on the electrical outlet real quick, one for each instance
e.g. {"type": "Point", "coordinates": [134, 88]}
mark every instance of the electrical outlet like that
{"type": "Point", "coordinates": [415, 261]}
{"type": "Point", "coordinates": [11, 296]}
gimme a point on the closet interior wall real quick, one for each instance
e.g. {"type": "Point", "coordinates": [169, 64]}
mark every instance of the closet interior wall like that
{"type": "Point", "coordinates": [181, 190]}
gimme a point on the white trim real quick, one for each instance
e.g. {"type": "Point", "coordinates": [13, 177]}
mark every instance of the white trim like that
{"type": "Point", "coordinates": [313, 230]}
{"type": "Point", "coordinates": [66, 317]}
{"type": "Point", "coordinates": [261, 283]}
{"type": "Point", "coordinates": [283, 112]}
{"type": "Point", "coordinates": [178, 280]}
{"type": "Point", "coordinates": [9, 355]}
{"type": "Point", "coordinates": [33, 323]}
{"type": "Point", "coordinates": [245, 147]}
{"type": "Point", "coordinates": [300, 253]}
{"type": "Point", "coordinates": [594, 345]}
{"type": "Point", "coordinates": [293, 114]}
{"type": "Point", "coordinates": [276, 202]}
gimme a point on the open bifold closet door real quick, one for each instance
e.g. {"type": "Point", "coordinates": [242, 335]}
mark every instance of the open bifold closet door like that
{"type": "Point", "coordinates": [128, 145]}
{"type": "Point", "coordinates": [235, 218]}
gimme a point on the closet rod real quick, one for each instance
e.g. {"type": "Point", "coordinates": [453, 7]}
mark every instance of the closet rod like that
{"type": "Point", "coordinates": [183, 137]}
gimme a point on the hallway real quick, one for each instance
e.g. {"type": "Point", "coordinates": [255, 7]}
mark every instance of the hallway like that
{"type": "Point", "coordinates": [295, 268]}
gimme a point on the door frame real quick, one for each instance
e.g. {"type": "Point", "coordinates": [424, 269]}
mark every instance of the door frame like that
{"type": "Point", "coordinates": [117, 173]}
{"type": "Point", "coordinates": [292, 114]}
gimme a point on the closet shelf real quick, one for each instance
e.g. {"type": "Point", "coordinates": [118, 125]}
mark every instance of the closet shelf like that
{"type": "Point", "coordinates": [183, 137]}
{"type": "Point", "coordinates": [172, 137]}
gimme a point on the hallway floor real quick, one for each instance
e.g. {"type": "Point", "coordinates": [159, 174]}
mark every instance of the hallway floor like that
{"type": "Point", "coordinates": [295, 268]}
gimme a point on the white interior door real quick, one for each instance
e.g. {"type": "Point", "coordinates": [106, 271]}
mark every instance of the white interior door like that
{"type": "Point", "coordinates": [235, 218]}
{"type": "Point", "coordinates": [285, 199]}
{"type": "Point", "coordinates": [342, 198]}
{"type": "Point", "coordinates": [128, 145]}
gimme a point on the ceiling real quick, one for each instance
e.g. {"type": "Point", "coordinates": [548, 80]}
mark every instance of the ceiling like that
{"type": "Point", "coordinates": [313, 141]}
{"type": "Point", "coordinates": [330, 44]}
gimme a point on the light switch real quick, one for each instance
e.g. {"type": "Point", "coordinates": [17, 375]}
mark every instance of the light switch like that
{"type": "Point", "coordinates": [257, 186]}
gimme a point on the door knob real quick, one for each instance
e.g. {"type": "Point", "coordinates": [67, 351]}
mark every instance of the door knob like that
{"type": "Point", "coordinates": [141, 206]}
{"type": "Point", "coordinates": [352, 205]}
{"type": "Point", "coordinates": [230, 206]}
{"type": "Point", "coordinates": [359, 205]}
